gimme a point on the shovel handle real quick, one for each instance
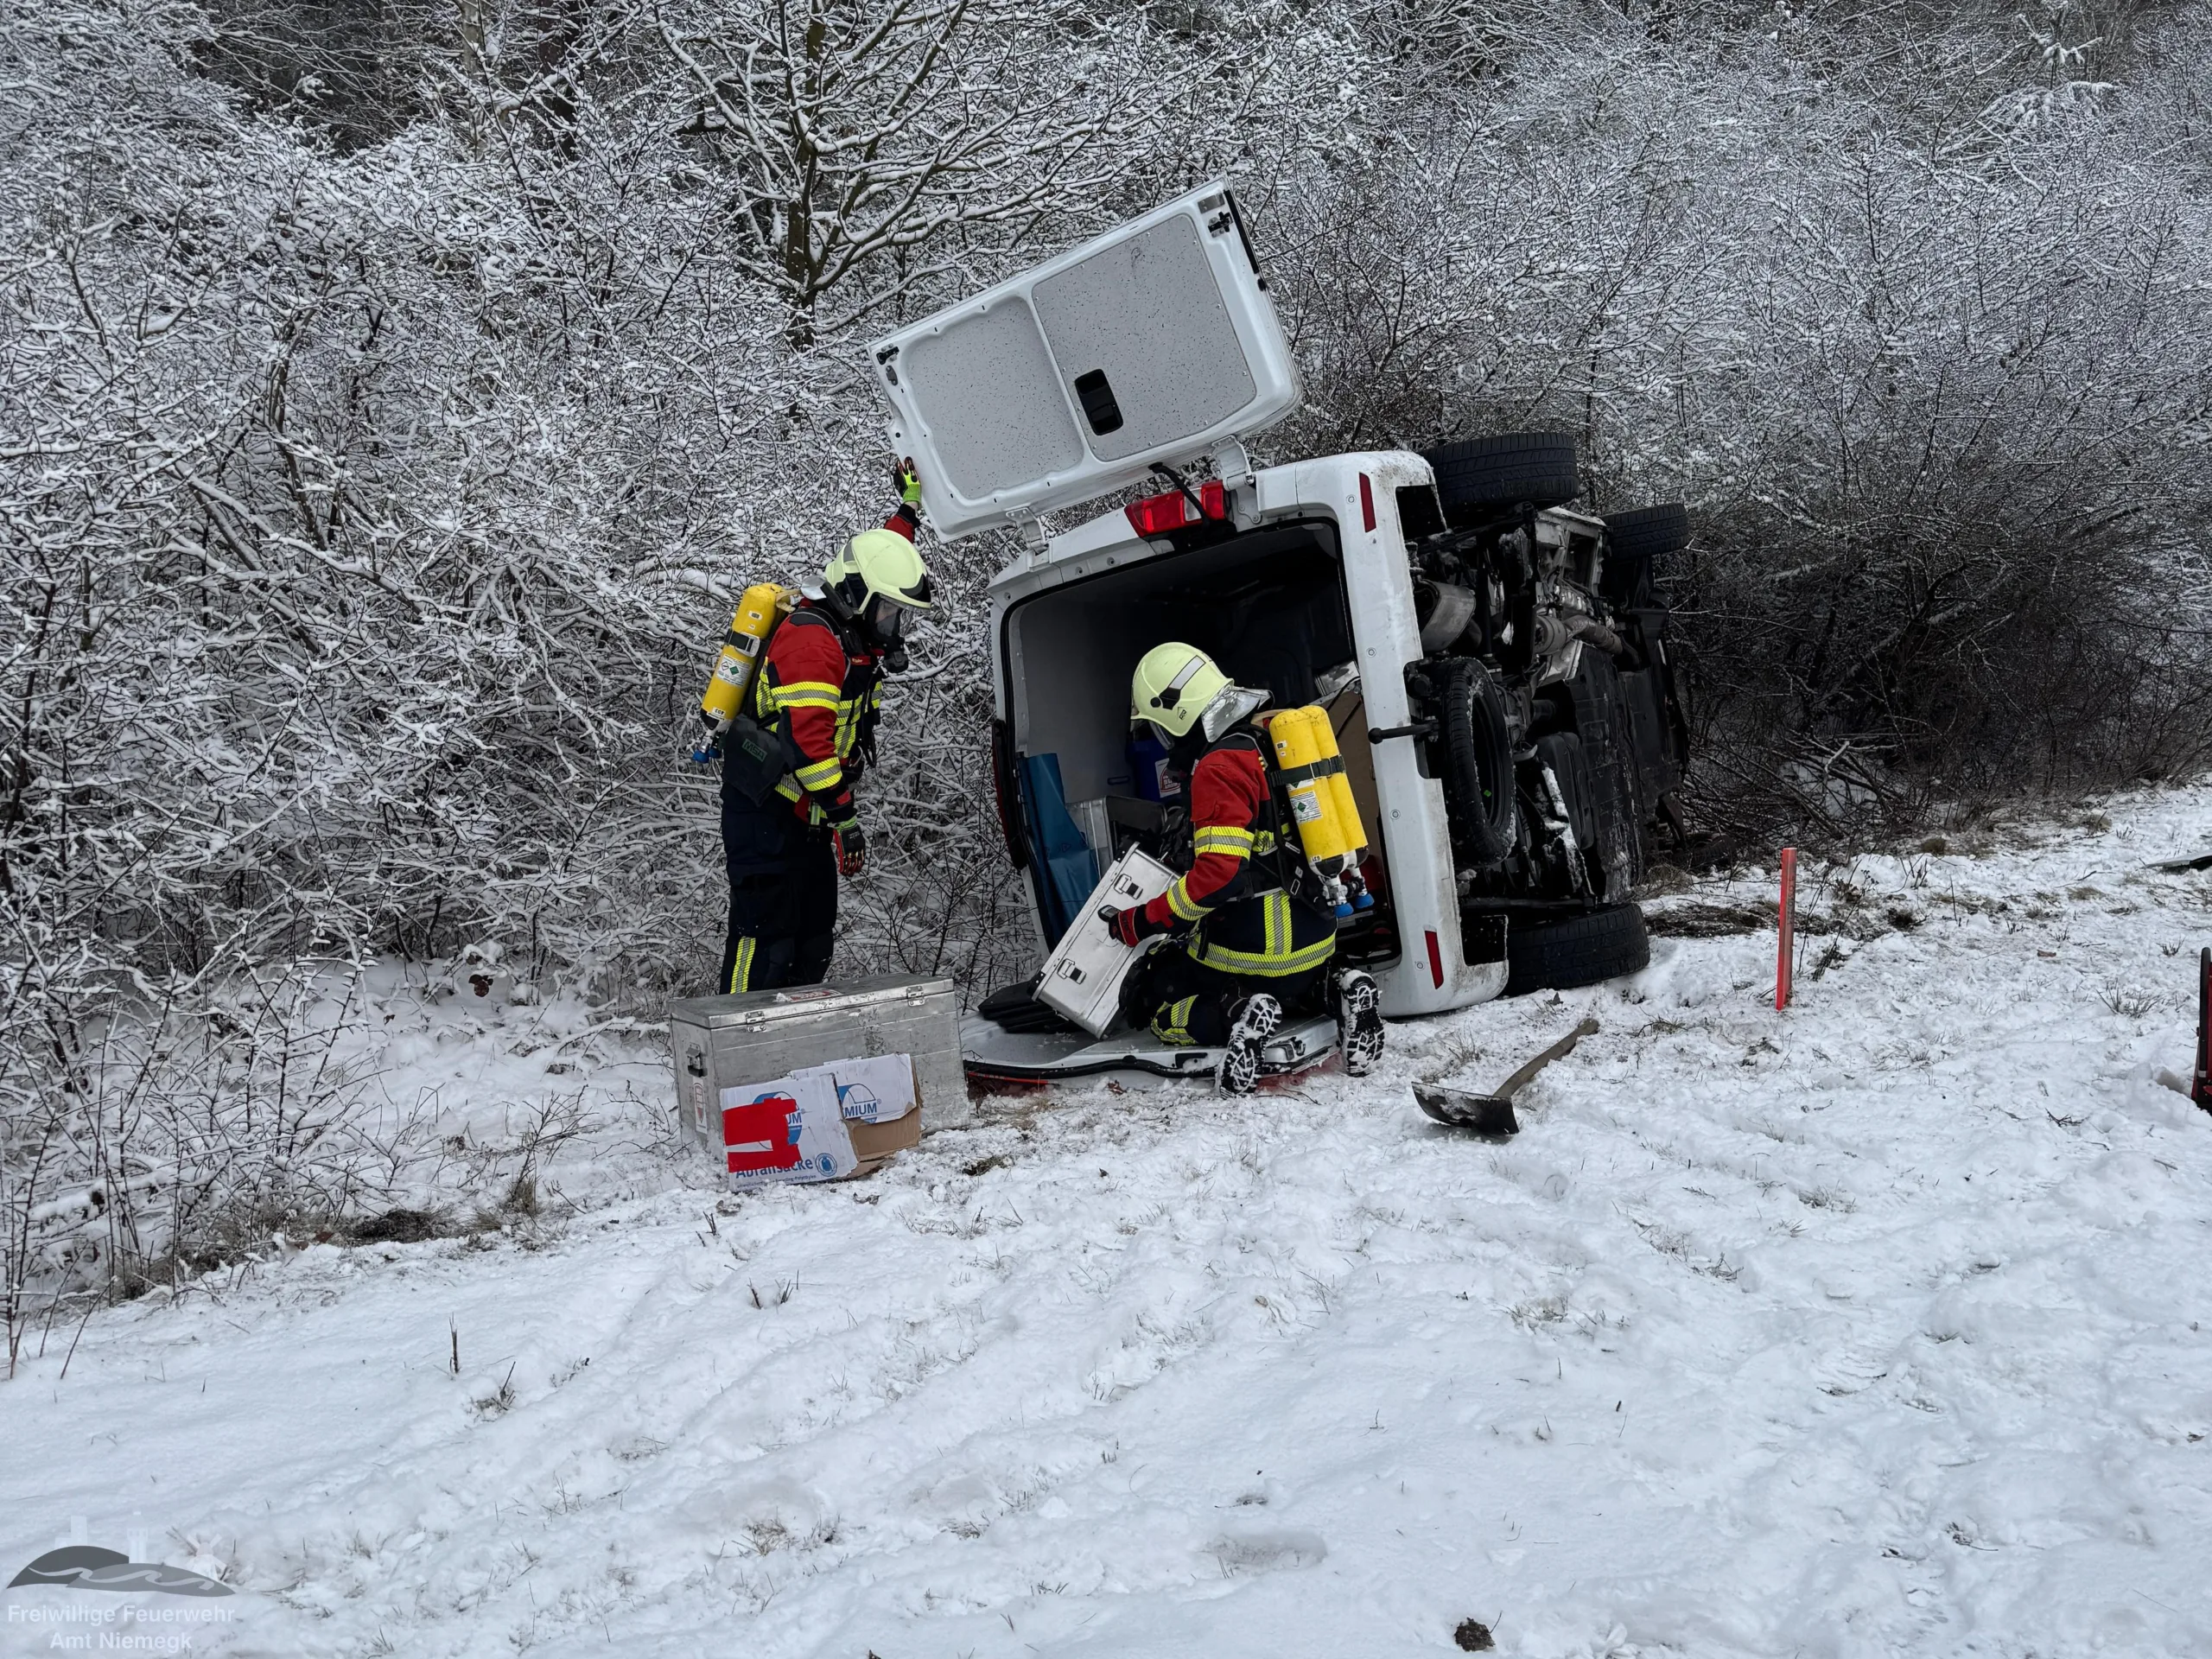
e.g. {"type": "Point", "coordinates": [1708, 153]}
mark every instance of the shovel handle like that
{"type": "Point", "coordinates": [1557, 1051]}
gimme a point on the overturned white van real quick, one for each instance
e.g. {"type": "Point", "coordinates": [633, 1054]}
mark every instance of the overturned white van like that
{"type": "Point", "coordinates": [1494, 662]}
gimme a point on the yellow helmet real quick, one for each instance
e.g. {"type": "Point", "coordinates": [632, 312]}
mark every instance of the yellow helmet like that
{"type": "Point", "coordinates": [873, 580]}
{"type": "Point", "coordinates": [1173, 684]}
{"type": "Point", "coordinates": [878, 564]}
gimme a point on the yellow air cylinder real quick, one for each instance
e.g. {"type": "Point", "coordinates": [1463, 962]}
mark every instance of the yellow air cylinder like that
{"type": "Point", "coordinates": [759, 609]}
{"type": "Point", "coordinates": [1305, 743]}
{"type": "Point", "coordinates": [1355, 832]}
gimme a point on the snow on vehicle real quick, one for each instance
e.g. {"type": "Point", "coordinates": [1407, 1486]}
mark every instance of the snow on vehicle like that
{"type": "Point", "coordinates": [1493, 661]}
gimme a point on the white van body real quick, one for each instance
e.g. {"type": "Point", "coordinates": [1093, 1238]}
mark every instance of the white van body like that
{"type": "Point", "coordinates": [1509, 725]}
{"type": "Point", "coordinates": [1430, 973]}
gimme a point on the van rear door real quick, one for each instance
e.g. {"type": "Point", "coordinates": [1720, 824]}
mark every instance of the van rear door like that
{"type": "Point", "coordinates": [1155, 343]}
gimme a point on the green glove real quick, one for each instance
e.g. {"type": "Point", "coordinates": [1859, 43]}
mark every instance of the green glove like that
{"type": "Point", "coordinates": [909, 482]}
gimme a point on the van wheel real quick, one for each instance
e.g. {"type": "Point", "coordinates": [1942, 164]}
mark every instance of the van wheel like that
{"type": "Point", "coordinates": [1510, 470]}
{"type": "Point", "coordinates": [1478, 767]}
{"type": "Point", "coordinates": [1564, 753]}
{"type": "Point", "coordinates": [1579, 951]}
{"type": "Point", "coordinates": [1633, 540]}
{"type": "Point", "coordinates": [1641, 532]}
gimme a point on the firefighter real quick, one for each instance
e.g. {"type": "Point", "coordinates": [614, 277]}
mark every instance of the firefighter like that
{"type": "Point", "coordinates": [1254, 947]}
{"type": "Point", "coordinates": [819, 688]}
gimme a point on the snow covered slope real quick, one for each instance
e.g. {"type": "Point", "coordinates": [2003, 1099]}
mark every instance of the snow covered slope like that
{"type": "Point", "coordinates": [1881, 1326]}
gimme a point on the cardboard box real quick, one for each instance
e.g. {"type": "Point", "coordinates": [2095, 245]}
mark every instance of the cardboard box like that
{"type": "Point", "coordinates": [875, 1088]}
{"type": "Point", "coordinates": [824, 1124]}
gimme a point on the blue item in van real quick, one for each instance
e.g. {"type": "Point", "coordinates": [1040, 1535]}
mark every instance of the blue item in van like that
{"type": "Point", "coordinates": [1067, 869]}
{"type": "Point", "coordinates": [1148, 769]}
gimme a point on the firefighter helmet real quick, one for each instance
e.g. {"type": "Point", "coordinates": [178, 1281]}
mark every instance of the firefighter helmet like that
{"type": "Point", "coordinates": [1173, 684]}
{"type": "Point", "coordinates": [878, 564]}
{"type": "Point", "coordinates": [874, 580]}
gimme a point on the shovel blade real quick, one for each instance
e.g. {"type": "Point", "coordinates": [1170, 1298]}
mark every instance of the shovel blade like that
{"type": "Point", "coordinates": [1463, 1109]}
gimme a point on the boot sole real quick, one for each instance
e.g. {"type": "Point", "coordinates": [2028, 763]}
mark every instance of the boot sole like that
{"type": "Point", "coordinates": [1240, 1066]}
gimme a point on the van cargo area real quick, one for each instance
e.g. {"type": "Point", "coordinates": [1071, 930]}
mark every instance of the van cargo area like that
{"type": "Point", "coordinates": [1268, 606]}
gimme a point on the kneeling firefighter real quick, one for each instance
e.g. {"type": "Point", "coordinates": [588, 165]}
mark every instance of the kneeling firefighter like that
{"type": "Point", "coordinates": [1255, 939]}
{"type": "Point", "coordinates": [790, 829]}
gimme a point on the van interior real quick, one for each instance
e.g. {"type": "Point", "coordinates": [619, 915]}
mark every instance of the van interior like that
{"type": "Point", "coordinates": [1268, 606]}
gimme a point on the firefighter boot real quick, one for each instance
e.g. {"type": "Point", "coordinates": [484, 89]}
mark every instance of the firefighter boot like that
{"type": "Point", "coordinates": [1256, 1020]}
{"type": "Point", "coordinates": [1359, 1020]}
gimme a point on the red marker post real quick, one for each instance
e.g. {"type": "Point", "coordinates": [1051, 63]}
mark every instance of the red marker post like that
{"type": "Point", "coordinates": [1788, 949]}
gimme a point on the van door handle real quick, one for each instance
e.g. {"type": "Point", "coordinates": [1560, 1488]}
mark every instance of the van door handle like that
{"type": "Point", "coordinates": [1423, 729]}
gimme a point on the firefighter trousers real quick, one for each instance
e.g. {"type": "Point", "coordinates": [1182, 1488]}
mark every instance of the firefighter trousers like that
{"type": "Point", "coordinates": [1186, 1002]}
{"type": "Point", "coordinates": [783, 898]}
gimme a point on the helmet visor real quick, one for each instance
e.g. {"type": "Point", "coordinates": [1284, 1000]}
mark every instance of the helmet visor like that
{"type": "Point", "coordinates": [916, 597]}
{"type": "Point", "coordinates": [887, 619]}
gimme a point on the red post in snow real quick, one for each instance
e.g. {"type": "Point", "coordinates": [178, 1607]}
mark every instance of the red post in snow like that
{"type": "Point", "coordinates": [2200, 1086]}
{"type": "Point", "coordinates": [1788, 950]}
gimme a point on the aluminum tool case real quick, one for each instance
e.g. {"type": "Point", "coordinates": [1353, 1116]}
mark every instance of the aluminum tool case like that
{"type": "Point", "coordinates": [722, 1041]}
{"type": "Point", "coordinates": [1082, 977]}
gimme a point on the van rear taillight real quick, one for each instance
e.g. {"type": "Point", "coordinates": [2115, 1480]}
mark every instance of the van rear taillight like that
{"type": "Point", "coordinates": [1435, 960]}
{"type": "Point", "coordinates": [1158, 514]}
{"type": "Point", "coordinates": [1366, 503]}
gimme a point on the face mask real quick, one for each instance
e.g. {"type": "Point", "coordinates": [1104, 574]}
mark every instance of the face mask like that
{"type": "Point", "coordinates": [887, 623]}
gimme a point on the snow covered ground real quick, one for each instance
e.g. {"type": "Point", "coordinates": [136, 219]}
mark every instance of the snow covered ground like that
{"type": "Point", "coordinates": [1881, 1326]}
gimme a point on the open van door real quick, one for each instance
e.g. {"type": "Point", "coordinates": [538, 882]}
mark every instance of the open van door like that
{"type": "Point", "coordinates": [1155, 343]}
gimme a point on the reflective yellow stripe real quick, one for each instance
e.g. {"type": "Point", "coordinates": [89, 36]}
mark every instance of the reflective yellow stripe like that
{"type": "Point", "coordinates": [1172, 1023]}
{"type": "Point", "coordinates": [772, 701]}
{"type": "Point", "coordinates": [1263, 844]}
{"type": "Point", "coordinates": [1275, 959]}
{"type": "Point", "coordinates": [1264, 967]}
{"type": "Point", "coordinates": [1180, 900]}
{"type": "Point", "coordinates": [1222, 838]}
{"type": "Point", "coordinates": [741, 970]}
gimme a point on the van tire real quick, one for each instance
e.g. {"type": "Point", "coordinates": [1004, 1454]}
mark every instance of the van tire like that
{"type": "Point", "coordinates": [1478, 761]}
{"type": "Point", "coordinates": [1512, 469]}
{"type": "Point", "coordinates": [1583, 949]}
{"type": "Point", "coordinates": [1570, 762]}
{"type": "Point", "coordinates": [1644, 533]}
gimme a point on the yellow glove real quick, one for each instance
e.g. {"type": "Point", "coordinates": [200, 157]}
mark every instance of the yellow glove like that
{"type": "Point", "coordinates": [908, 482]}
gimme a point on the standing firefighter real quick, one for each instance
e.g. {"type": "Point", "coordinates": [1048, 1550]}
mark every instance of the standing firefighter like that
{"type": "Point", "coordinates": [790, 829]}
{"type": "Point", "coordinates": [1256, 943]}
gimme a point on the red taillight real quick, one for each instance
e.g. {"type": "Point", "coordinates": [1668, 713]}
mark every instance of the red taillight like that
{"type": "Point", "coordinates": [1367, 519]}
{"type": "Point", "coordinates": [1158, 514]}
{"type": "Point", "coordinates": [1435, 960]}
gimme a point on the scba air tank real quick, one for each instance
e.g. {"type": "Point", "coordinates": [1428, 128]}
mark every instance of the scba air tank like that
{"type": "Point", "coordinates": [759, 609]}
{"type": "Point", "coordinates": [1312, 768]}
